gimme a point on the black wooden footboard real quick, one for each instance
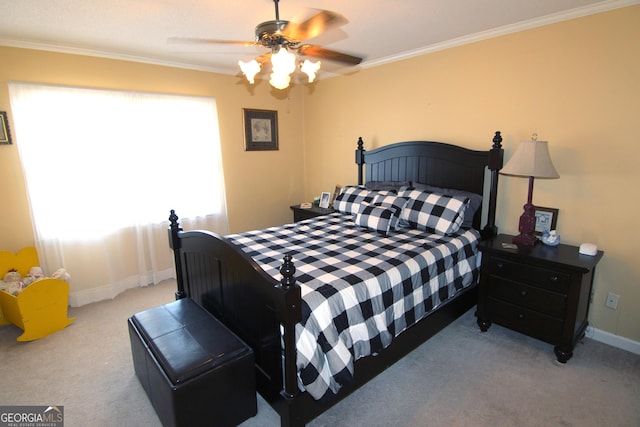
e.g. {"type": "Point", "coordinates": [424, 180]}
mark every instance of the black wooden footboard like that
{"type": "Point", "coordinates": [230, 285]}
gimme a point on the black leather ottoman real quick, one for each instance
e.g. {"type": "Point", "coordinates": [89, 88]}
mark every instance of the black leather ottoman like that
{"type": "Point", "coordinates": [195, 371]}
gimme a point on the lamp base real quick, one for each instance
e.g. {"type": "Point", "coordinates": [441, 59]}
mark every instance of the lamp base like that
{"type": "Point", "coordinates": [525, 240]}
{"type": "Point", "coordinates": [527, 222]}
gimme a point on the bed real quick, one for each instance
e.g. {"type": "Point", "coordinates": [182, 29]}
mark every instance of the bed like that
{"type": "Point", "coordinates": [265, 285]}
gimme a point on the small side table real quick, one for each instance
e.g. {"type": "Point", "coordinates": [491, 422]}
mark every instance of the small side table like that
{"type": "Point", "coordinates": [541, 291]}
{"type": "Point", "coordinates": [300, 214]}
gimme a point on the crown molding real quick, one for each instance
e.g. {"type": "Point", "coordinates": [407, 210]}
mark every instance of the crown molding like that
{"type": "Point", "coordinates": [51, 47]}
{"type": "Point", "coordinates": [507, 29]}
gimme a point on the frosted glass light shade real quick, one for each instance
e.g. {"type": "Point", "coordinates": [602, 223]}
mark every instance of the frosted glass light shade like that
{"type": "Point", "coordinates": [280, 81]}
{"type": "Point", "coordinates": [250, 69]}
{"type": "Point", "coordinates": [284, 62]}
{"type": "Point", "coordinates": [310, 69]}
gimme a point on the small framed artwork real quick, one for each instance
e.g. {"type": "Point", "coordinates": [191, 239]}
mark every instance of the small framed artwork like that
{"type": "Point", "coordinates": [325, 198]}
{"type": "Point", "coordinates": [336, 193]}
{"type": "Point", "coordinates": [260, 129]}
{"type": "Point", "coordinates": [546, 219]}
{"type": "Point", "coordinates": [5, 135]}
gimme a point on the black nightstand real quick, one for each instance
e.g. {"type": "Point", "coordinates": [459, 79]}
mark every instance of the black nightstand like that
{"type": "Point", "coordinates": [541, 291]}
{"type": "Point", "coordinates": [300, 214]}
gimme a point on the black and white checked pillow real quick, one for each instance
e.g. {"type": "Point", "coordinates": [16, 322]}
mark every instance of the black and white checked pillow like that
{"type": "Point", "coordinates": [393, 202]}
{"type": "Point", "coordinates": [433, 212]}
{"type": "Point", "coordinates": [351, 197]}
{"type": "Point", "coordinates": [475, 200]}
{"type": "Point", "coordinates": [376, 218]}
{"type": "Point", "coordinates": [349, 200]}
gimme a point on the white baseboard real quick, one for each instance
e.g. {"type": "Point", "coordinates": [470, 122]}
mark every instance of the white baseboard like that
{"type": "Point", "coordinates": [613, 340]}
{"type": "Point", "coordinates": [106, 292]}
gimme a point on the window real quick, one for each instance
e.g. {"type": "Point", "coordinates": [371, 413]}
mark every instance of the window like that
{"type": "Point", "coordinates": [100, 163]}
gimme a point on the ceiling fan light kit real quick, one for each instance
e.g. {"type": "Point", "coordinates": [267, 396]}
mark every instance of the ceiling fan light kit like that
{"type": "Point", "coordinates": [283, 65]}
{"type": "Point", "coordinates": [284, 39]}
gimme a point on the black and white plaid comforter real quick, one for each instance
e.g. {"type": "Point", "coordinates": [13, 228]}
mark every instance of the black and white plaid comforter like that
{"type": "Point", "coordinates": [359, 289]}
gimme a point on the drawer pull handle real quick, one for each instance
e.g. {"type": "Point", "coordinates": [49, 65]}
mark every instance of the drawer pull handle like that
{"type": "Point", "coordinates": [499, 266]}
{"type": "Point", "coordinates": [523, 294]}
{"type": "Point", "coordinates": [520, 316]}
{"type": "Point", "coordinates": [554, 279]}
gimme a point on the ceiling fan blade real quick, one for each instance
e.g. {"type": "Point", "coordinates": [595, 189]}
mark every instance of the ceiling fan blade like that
{"type": "Point", "coordinates": [314, 26]}
{"type": "Point", "coordinates": [332, 55]}
{"type": "Point", "coordinates": [211, 41]}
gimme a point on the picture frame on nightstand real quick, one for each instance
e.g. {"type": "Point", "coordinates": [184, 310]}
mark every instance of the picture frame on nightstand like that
{"type": "Point", "coordinates": [336, 193]}
{"type": "Point", "coordinates": [325, 198]}
{"type": "Point", "coordinates": [546, 219]}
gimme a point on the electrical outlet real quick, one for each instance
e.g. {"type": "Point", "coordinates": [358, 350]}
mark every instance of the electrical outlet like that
{"type": "Point", "coordinates": [612, 300]}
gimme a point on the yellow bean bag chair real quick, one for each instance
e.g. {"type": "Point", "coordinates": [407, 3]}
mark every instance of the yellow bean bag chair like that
{"type": "Point", "coordinates": [40, 308]}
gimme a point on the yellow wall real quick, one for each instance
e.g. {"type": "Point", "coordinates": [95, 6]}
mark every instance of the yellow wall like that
{"type": "Point", "coordinates": [574, 83]}
{"type": "Point", "coordinates": [253, 179]}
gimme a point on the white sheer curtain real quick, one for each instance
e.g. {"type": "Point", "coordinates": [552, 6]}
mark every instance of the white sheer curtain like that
{"type": "Point", "coordinates": [103, 168]}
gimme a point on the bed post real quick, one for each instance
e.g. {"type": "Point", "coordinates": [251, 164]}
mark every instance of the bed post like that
{"type": "Point", "coordinates": [360, 160]}
{"type": "Point", "coordinates": [174, 243]}
{"type": "Point", "coordinates": [292, 316]}
{"type": "Point", "coordinates": [495, 160]}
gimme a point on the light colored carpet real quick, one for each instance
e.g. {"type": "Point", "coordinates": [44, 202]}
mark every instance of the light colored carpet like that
{"type": "Point", "coordinates": [461, 377]}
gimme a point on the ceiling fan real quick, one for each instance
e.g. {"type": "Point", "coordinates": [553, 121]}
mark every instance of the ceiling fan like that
{"type": "Point", "coordinates": [283, 38]}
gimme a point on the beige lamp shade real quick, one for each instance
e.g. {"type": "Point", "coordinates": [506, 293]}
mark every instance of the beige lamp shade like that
{"type": "Point", "coordinates": [531, 159]}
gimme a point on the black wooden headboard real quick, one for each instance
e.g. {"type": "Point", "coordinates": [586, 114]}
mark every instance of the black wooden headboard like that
{"type": "Point", "coordinates": [438, 164]}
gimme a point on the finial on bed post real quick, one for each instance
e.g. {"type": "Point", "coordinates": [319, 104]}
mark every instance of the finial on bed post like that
{"type": "Point", "coordinates": [496, 155]}
{"type": "Point", "coordinates": [173, 219]}
{"type": "Point", "coordinates": [497, 140]}
{"type": "Point", "coordinates": [360, 160]}
{"type": "Point", "coordinates": [288, 270]}
{"type": "Point", "coordinates": [174, 243]}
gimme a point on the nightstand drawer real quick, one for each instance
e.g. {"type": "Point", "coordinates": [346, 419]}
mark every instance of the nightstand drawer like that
{"type": "Point", "coordinates": [301, 215]}
{"type": "Point", "coordinates": [532, 297]}
{"type": "Point", "coordinates": [544, 277]}
{"type": "Point", "coordinates": [534, 324]}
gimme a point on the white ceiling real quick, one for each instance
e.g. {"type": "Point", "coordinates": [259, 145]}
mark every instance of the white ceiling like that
{"type": "Point", "coordinates": [378, 30]}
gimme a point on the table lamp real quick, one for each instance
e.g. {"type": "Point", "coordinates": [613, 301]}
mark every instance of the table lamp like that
{"type": "Point", "coordinates": [532, 160]}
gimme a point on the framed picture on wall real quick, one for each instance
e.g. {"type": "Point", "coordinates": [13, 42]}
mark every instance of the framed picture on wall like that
{"type": "Point", "coordinates": [260, 129]}
{"type": "Point", "coordinates": [546, 219]}
{"type": "Point", "coordinates": [5, 135]}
